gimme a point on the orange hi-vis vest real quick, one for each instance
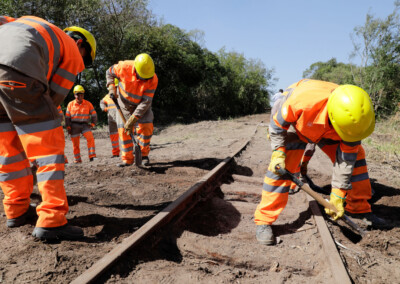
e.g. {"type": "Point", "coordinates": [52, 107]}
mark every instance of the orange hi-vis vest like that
{"type": "Point", "coordinates": [81, 113]}
{"type": "Point", "coordinates": [107, 103]}
{"type": "Point", "coordinates": [41, 51]}
{"type": "Point", "coordinates": [306, 109]}
{"type": "Point", "coordinates": [130, 86]}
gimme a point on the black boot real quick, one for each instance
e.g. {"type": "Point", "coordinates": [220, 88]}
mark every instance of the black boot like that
{"type": "Point", "coordinates": [22, 220]}
{"type": "Point", "coordinates": [66, 232]}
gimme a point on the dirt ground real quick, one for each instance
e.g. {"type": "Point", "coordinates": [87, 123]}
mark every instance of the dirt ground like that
{"type": "Point", "coordinates": [110, 203]}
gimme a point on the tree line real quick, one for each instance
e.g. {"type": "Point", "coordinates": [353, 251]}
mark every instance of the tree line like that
{"type": "Point", "coordinates": [377, 45]}
{"type": "Point", "coordinates": [194, 83]}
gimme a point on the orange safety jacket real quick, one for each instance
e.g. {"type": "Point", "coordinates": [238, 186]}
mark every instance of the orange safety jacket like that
{"type": "Point", "coordinates": [54, 58]}
{"type": "Point", "coordinates": [81, 113]}
{"type": "Point", "coordinates": [305, 108]}
{"type": "Point", "coordinates": [5, 20]}
{"type": "Point", "coordinates": [107, 103]}
{"type": "Point", "coordinates": [134, 91]}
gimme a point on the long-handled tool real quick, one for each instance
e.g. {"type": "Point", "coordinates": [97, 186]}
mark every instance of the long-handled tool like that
{"type": "Point", "coordinates": [319, 199]}
{"type": "Point", "coordinates": [138, 151]}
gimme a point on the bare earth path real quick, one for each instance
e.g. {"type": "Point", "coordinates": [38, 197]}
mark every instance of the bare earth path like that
{"type": "Point", "coordinates": [216, 243]}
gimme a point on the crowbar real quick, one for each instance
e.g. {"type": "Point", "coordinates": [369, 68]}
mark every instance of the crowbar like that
{"type": "Point", "coordinates": [138, 151]}
{"type": "Point", "coordinates": [319, 198]}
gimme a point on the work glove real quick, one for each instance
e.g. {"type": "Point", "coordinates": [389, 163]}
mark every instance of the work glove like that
{"type": "Point", "coordinates": [303, 168]}
{"type": "Point", "coordinates": [112, 92]}
{"type": "Point", "coordinates": [129, 124]}
{"type": "Point", "coordinates": [277, 159]}
{"type": "Point", "coordinates": [337, 200]}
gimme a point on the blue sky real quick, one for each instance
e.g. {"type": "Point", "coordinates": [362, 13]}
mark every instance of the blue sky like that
{"type": "Point", "coordinates": [287, 35]}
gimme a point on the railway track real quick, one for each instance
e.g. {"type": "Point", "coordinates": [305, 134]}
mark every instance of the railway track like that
{"type": "Point", "coordinates": [241, 195]}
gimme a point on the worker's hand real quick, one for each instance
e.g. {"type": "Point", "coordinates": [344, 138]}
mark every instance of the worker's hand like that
{"type": "Point", "coordinates": [277, 159]}
{"type": "Point", "coordinates": [69, 130]}
{"type": "Point", "coordinates": [303, 168]}
{"type": "Point", "coordinates": [337, 200]}
{"type": "Point", "coordinates": [129, 124]}
{"type": "Point", "coordinates": [112, 91]}
{"type": "Point", "coordinates": [92, 126]}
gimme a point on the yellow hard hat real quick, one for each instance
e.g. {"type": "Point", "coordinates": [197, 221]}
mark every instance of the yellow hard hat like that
{"type": "Point", "coordinates": [144, 66]}
{"type": "Point", "coordinates": [89, 40]}
{"type": "Point", "coordinates": [79, 89]}
{"type": "Point", "coordinates": [351, 113]}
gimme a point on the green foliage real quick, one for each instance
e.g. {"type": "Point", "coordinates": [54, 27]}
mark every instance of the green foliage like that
{"type": "Point", "coordinates": [331, 71]}
{"type": "Point", "coordinates": [194, 83]}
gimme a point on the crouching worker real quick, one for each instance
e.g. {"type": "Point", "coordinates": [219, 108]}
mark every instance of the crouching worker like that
{"type": "Point", "coordinates": [81, 118]}
{"type": "Point", "coordinates": [135, 92]}
{"type": "Point", "coordinates": [38, 66]}
{"type": "Point", "coordinates": [334, 117]}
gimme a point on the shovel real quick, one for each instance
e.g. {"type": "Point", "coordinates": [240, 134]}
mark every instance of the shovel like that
{"type": "Point", "coordinates": [319, 199]}
{"type": "Point", "coordinates": [138, 151]}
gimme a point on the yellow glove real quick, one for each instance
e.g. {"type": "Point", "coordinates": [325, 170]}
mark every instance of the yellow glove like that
{"type": "Point", "coordinates": [337, 199]}
{"type": "Point", "coordinates": [277, 159]}
{"type": "Point", "coordinates": [129, 124]}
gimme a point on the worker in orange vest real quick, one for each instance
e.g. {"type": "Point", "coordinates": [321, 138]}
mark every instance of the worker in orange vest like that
{"type": "Point", "coordinates": [81, 118]}
{"type": "Point", "coordinates": [108, 105]}
{"type": "Point", "coordinates": [135, 92]}
{"type": "Point", "coordinates": [38, 66]}
{"type": "Point", "coordinates": [334, 117]}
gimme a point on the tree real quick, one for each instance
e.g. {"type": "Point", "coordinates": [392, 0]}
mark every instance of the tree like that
{"type": "Point", "coordinates": [331, 71]}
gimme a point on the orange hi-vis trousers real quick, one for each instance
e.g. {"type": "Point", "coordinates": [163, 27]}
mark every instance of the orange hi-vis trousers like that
{"type": "Point", "coordinates": [276, 188]}
{"type": "Point", "coordinates": [113, 131]}
{"type": "Point", "coordinates": [76, 130]}
{"type": "Point", "coordinates": [30, 131]}
{"type": "Point", "coordinates": [144, 132]}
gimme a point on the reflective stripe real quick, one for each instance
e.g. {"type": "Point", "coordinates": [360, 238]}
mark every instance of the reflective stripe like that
{"type": "Point", "coordinates": [113, 133]}
{"type": "Point", "coordinates": [145, 121]}
{"type": "Point", "coordinates": [143, 144]}
{"type": "Point", "coordinates": [79, 114]}
{"type": "Point", "coordinates": [150, 91]}
{"type": "Point", "coordinates": [277, 189]}
{"type": "Point", "coordinates": [75, 135]}
{"type": "Point", "coordinates": [145, 137]}
{"type": "Point", "coordinates": [147, 98]}
{"type": "Point", "coordinates": [276, 128]}
{"type": "Point", "coordinates": [360, 163]}
{"type": "Point", "coordinates": [133, 96]}
{"type": "Point", "coordinates": [295, 146]}
{"type": "Point", "coordinates": [350, 157]}
{"type": "Point", "coordinates": [273, 176]}
{"type": "Point", "coordinates": [53, 159]}
{"type": "Point", "coordinates": [55, 42]}
{"type": "Point", "coordinates": [359, 177]}
{"type": "Point", "coordinates": [126, 101]}
{"type": "Point", "coordinates": [58, 89]}
{"type": "Point", "coordinates": [37, 127]}
{"type": "Point", "coordinates": [66, 74]}
{"type": "Point", "coordinates": [54, 175]}
{"type": "Point", "coordinates": [13, 159]}
{"type": "Point", "coordinates": [280, 119]}
{"type": "Point", "coordinates": [6, 127]}
{"type": "Point", "coordinates": [126, 142]}
{"type": "Point", "coordinates": [129, 149]}
{"type": "Point", "coordinates": [15, 175]}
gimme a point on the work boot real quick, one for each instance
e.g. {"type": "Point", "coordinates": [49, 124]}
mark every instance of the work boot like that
{"type": "Point", "coordinates": [371, 220]}
{"type": "Point", "coordinates": [92, 159]}
{"type": "Point", "coordinates": [66, 232]}
{"type": "Point", "coordinates": [145, 161]}
{"type": "Point", "coordinates": [265, 235]}
{"type": "Point", "coordinates": [115, 156]}
{"type": "Point", "coordinates": [121, 165]}
{"type": "Point", "coordinates": [22, 220]}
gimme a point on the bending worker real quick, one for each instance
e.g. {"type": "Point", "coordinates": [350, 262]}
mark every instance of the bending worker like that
{"type": "Point", "coordinates": [38, 66]}
{"type": "Point", "coordinates": [108, 105]}
{"type": "Point", "coordinates": [135, 92]}
{"type": "Point", "coordinates": [335, 117]}
{"type": "Point", "coordinates": [81, 118]}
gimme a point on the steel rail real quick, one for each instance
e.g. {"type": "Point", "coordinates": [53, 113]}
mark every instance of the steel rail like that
{"type": "Point", "coordinates": [180, 206]}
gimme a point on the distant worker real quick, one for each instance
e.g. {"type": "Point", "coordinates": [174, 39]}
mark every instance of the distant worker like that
{"type": "Point", "coordinates": [135, 92]}
{"type": "Point", "coordinates": [107, 105]}
{"type": "Point", "coordinates": [38, 66]}
{"type": "Point", "coordinates": [81, 118]}
{"type": "Point", "coordinates": [335, 117]}
{"type": "Point", "coordinates": [275, 98]}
